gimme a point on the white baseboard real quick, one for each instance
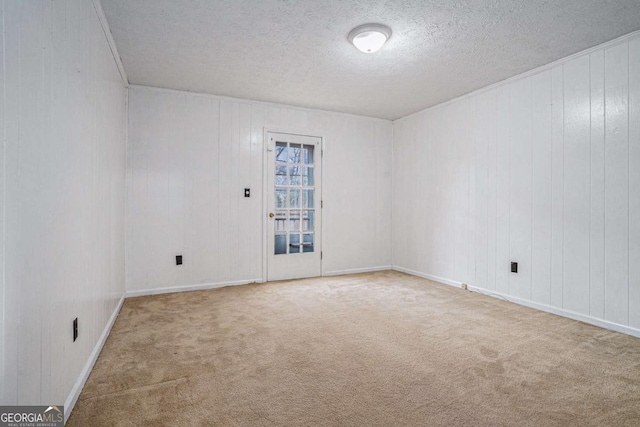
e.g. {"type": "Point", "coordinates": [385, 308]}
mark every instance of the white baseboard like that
{"type": "Point", "coordinates": [187, 288]}
{"type": "Point", "coordinates": [429, 276]}
{"type": "Point", "coordinates": [72, 398]}
{"type": "Point", "coordinates": [560, 312]}
{"type": "Point", "coordinates": [357, 270]}
{"type": "Point", "coordinates": [531, 304]}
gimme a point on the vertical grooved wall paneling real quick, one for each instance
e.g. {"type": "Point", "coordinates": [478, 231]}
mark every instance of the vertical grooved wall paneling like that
{"type": "Point", "coordinates": [4, 390]}
{"type": "Point", "coordinates": [543, 170]}
{"type": "Point", "coordinates": [616, 194]}
{"type": "Point", "coordinates": [597, 152]}
{"type": "Point", "coordinates": [63, 195]}
{"type": "Point", "coordinates": [541, 173]}
{"type": "Point", "coordinates": [634, 183]}
{"type": "Point", "coordinates": [520, 187]}
{"type": "Point", "coordinates": [190, 156]}
{"type": "Point", "coordinates": [577, 200]}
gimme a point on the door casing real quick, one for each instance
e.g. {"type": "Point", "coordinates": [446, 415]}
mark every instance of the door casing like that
{"type": "Point", "coordinates": [265, 190]}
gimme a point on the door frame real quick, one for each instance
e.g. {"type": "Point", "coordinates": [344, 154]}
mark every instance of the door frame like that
{"type": "Point", "coordinates": [265, 188]}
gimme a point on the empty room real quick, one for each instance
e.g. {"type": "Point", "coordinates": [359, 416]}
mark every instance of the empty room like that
{"type": "Point", "coordinates": [320, 213]}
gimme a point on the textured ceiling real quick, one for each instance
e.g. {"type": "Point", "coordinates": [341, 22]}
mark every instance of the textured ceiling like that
{"type": "Point", "coordinates": [296, 51]}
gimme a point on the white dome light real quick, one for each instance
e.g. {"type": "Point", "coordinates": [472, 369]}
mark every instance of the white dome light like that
{"type": "Point", "coordinates": [368, 38]}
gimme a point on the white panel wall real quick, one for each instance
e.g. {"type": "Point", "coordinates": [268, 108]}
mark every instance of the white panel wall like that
{"type": "Point", "coordinates": [189, 158]}
{"type": "Point", "coordinates": [544, 170]}
{"type": "Point", "coordinates": [63, 179]}
{"type": "Point", "coordinates": [3, 289]}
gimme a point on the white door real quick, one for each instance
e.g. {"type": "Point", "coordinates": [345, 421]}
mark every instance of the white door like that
{"type": "Point", "coordinates": [293, 206]}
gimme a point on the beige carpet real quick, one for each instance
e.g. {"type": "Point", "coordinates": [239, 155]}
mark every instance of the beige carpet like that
{"type": "Point", "coordinates": [379, 349]}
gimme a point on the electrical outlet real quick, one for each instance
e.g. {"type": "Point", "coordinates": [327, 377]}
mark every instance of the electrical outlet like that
{"type": "Point", "coordinates": [75, 329]}
{"type": "Point", "coordinates": [464, 286]}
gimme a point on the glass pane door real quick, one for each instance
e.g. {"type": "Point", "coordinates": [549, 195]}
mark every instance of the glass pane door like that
{"type": "Point", "coordinates": [293, 209]}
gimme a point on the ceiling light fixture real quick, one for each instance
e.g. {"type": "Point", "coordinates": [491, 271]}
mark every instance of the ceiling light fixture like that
{"type": "Point", "coordinates": [368, 38]}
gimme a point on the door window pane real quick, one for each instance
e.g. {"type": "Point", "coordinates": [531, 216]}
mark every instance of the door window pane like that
{"type": "Point", "coordinates": [295, 153]}
{"type": "Point", "coordinates": [281, 174]}
{"type": "Point", "coordinates": [281, 244]}
{"type": "Point", "coordinates": [294, 221]}
{"type": "Point", "coordinates": [308, 154]}
{"type": "Point", "coordinates": [281, 151]}
{"type": "Point", "coordinates": [294, 198]}
{"type": "Point", "coordinates": [307, 198]}
{"type": "Point", "coordinates": [307, 177]}
{"type": "Point", "coordinates": [294, 175]}
{"type": "Point", "coordinates": [281, 197]}
{"type": "Point", "coordinates": [281, 221]}
{"type": "Point", "coordinates": [307, 240]}
{"type": "Point", "coordinates": [294, 243]}
{"type": "Point", "coordinates": [308, 220]}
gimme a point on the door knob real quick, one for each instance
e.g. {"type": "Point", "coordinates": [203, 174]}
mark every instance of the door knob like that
{"type": "Point", "coordinates": [271, 215]}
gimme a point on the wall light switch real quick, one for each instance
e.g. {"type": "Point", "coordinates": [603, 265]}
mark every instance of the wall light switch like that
{"type": "Point", "coordinates": [247, 192]}
{"type": "Point", "coordinates": [178, 259]}
{"type": "Point", "coordinates": [514, 267]}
